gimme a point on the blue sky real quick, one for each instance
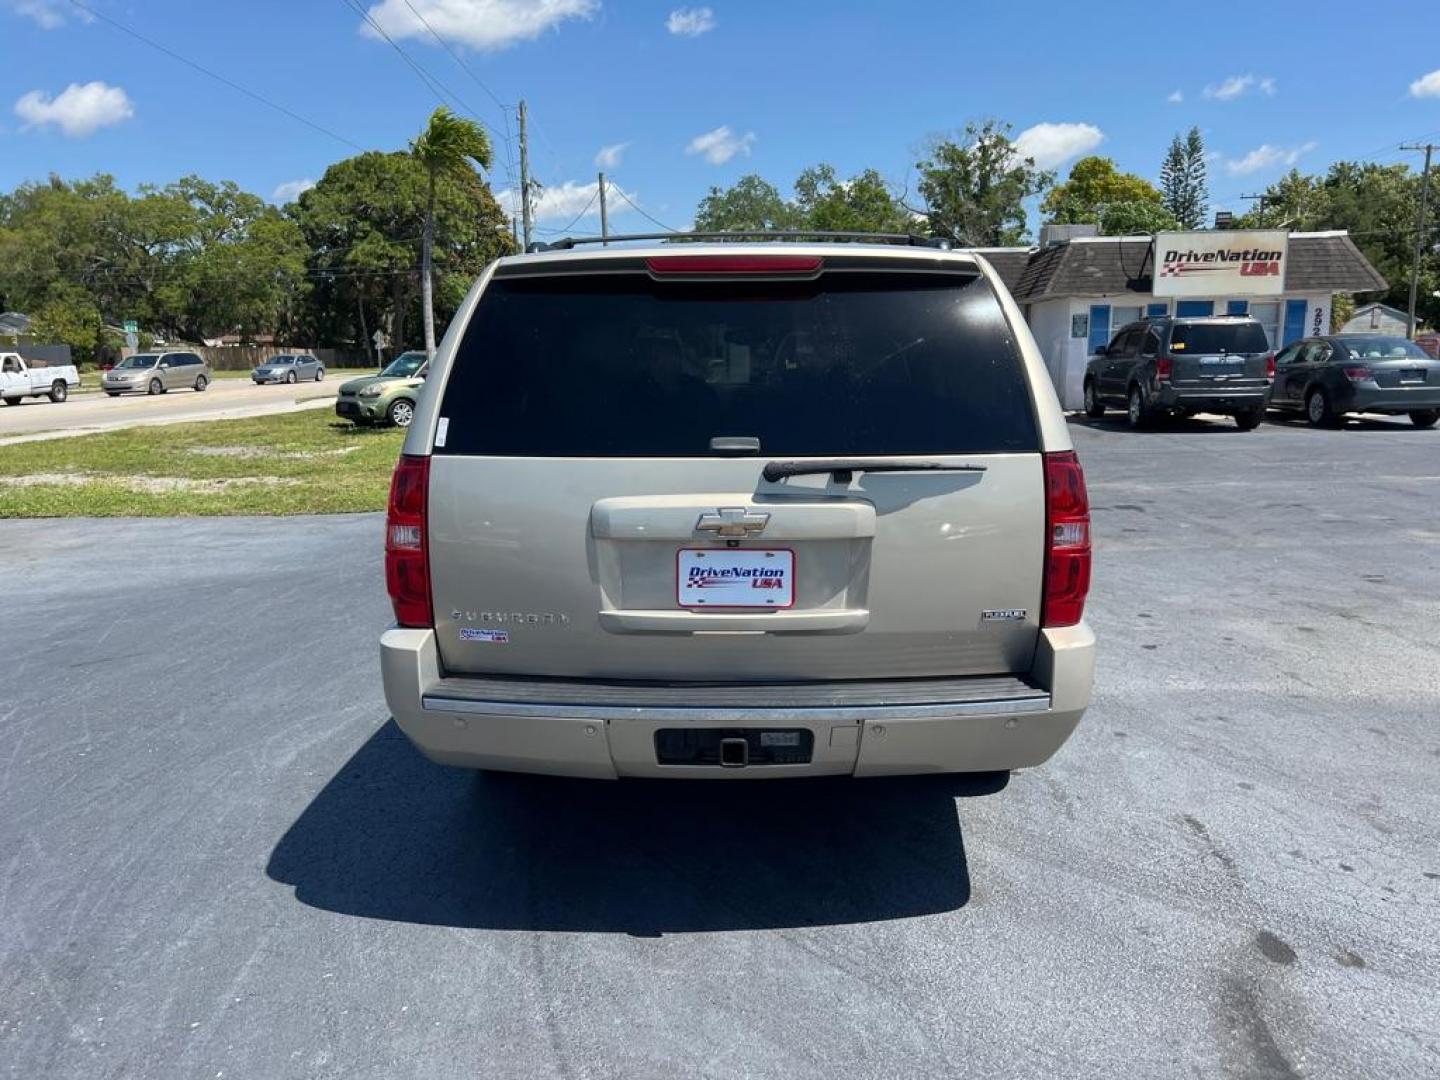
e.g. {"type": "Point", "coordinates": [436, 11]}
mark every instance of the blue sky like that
{"type": "Point", "coordinates": [687, 96]}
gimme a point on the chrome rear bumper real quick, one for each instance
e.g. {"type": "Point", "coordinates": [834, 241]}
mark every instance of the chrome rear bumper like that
{"type": "Point", "coordinates": [864, 728]}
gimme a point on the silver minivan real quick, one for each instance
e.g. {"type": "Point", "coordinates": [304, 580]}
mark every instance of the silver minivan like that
{"type": "Point", "coordinates": [738, 510]}
{"type": "Point", "coordinates": [156, 373]}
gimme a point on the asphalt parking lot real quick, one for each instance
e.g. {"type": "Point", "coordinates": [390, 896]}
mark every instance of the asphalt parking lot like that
{"type": "Point", "coordinates": [218, 858]}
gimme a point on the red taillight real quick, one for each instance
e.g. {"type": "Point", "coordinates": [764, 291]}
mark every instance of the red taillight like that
{"type": "Point", "coordinates": [407, 561]}
{"type": "Point", "coordinates": [1067, 540]}
{"type": "Point", "coordinates": [1164, 365]}
{"type": "Point", "coordinates": [1270, 366]}
{"type": "Point", "coordinates": [1359, 373]}
{"type": "Point", "coordinates": [662, 265]}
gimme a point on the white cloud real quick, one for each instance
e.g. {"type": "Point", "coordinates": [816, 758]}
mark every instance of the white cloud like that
{"type": "Point", "coordinates": [690, 22]}
{"type": "Point", "coordinates": [487, 25]}
{"type": "Point", "coordinates": [1426, 85]}
{"type": "Point", "coordinates": [1053, 144]}
{"type": "Point", "coordinates": [1237, 86]}
{"type": "Point", "coordinates": [1266, 156]}
{"type": "Point", "coordinates": [566, 201]}
{"type": "Point", "coordinates": [77, 110]}
{"type": "Point", "coordinates": [291, 190]}
{"type": "Point", "coordinates": [49, 14]}
{"type": "Point", "coordinates": [720, 145]}
{"type": "Point", "coordinates": [609, 156]}
{"type": "Point", "coordinates": [1176, 97]}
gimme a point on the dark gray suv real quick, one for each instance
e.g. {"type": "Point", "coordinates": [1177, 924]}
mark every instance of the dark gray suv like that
{"type": "Point", "coordinates": [1179, 367]}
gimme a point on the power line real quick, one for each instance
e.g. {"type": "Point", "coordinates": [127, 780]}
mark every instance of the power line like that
{"type": "Point", "coordinates": [577, 217]}
{"type": "Point", "coordinates": [621, 192]}
{"type": "Point", "coordinates": [504, 109]}
{"type": "Point", "coordinates": [434, 85]}
{"type": "Point", "coordinates": [215, 75]}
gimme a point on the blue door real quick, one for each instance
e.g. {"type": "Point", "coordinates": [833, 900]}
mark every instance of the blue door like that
{"type": "Point", "coordinates": [1194, 309]}
{"type": "Point", "coordinates": [1294, 321]}
{"type": "Point", "coordinates": [1099, 326]}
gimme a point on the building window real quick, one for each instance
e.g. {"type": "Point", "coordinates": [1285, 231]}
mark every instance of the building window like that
{"type": "Point", "coordinates": [1099, 326]}
{"type": "Point", "coordinates": [1123, 316]}
{"type": "Point", "coordinates": [1294, 320]}
{"type": "Point", "coordinates": [1267, 313]}
{"type": "Point", "coordinates": [1237, 307]}
{"type": "Point", "coordinates": [1158, 310]}
{"type": "Point", "coordinates": [1194, 309]}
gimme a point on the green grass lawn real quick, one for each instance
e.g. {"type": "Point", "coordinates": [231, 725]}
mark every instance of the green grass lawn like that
{"type": "Point", "coordinates": [295, 463]}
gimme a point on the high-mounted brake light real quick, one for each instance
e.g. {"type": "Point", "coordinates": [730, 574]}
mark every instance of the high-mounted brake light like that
{"type": "Point", "coordinates": [1067, 540]}
{"type": "Point", "coordinates": [407, 552]}
{"type": "Point", "coordinates": [1164, 365]}
{"type": "Point", "coordinates": [667, 265]}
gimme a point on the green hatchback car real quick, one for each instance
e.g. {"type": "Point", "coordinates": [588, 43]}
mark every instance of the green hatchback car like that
{"type": "Point", "coordinates": [386, 398]}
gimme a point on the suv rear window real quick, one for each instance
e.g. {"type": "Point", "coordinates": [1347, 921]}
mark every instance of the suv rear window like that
{"type": "Point", "coordinates": [621, 365]}
{"type": "Point", "coordinates": [1238, 337]}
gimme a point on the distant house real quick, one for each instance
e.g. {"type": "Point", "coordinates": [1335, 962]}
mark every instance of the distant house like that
{"type": "Point", "coordinates": [1377, 319]}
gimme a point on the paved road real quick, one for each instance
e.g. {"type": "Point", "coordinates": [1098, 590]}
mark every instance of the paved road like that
{"type": "Point", "coordinates": [219, 859]}
{"type": "Point", "coordinates": [84, 413]}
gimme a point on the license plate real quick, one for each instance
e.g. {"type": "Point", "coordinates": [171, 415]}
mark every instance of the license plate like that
{"type": "Point", "coordinates": [722, 577]}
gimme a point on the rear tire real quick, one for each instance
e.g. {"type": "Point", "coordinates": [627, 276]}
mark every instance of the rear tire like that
{"type": "Point", "coordinates": [112, 393]}
{"type": "Point", "coordinates": [155, 387]}
{"type": "Point", "coordinates": [1094, 407]}
{"type": "Point", "coordinates": [401, 413]}
{"type": "Point", "coordinates": [1424, 418]}
{"type": "Point", "coordinates": [1137, 411]}
{"type": "Point", "coordinates": [59, 391]}
{"type": "Point", "coordinates": [1318, 411]}
{"type": "Point", "coordinates": [1249, 421]}
{"type": "Point", "coordinates": [320, 374]}
{"type": "Point", "coordinates": [11, 400]}
{"type": "Point", "coordinates": [200, 384]}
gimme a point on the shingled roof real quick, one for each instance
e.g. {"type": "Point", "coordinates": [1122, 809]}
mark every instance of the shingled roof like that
{"type": "Point", "coordinates": [1104, 266]}
{"type": "Point", "coordinates": [1009, 263]}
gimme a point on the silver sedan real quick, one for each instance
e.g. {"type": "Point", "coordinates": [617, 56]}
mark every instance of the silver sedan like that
{"type": "Point", "coordinates": [289, 368]}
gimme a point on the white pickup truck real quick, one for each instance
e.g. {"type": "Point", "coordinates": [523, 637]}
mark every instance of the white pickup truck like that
{"type": "Point", "coordinates": [36, 378]}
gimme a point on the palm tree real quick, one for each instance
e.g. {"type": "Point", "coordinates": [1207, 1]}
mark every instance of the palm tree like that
{"type": "Point", "coordinates": [446, 147]}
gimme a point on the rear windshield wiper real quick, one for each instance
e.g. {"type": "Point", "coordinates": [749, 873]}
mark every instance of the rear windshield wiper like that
{"type": "Point", "coordinates": [843, 469]}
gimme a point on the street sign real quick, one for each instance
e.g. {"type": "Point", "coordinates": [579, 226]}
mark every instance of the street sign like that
{"type": "Point", "coordinates": [379, 338]}
{"type": "Point", "coordinates": [131, 326]}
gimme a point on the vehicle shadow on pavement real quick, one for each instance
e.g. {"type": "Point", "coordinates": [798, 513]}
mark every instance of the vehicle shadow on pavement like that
{"type": "Point", "coordinates": [393, 836]}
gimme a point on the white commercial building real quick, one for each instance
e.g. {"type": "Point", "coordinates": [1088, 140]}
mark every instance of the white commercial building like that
{"type": "Point", "coordinates": [1078, 291]}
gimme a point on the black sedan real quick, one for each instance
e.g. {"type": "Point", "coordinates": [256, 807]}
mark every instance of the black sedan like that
{"type": "Point", "coordinates": [1324, 378]}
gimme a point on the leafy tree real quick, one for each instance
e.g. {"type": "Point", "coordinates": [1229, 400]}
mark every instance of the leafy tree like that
{"type": "Point", "coordinates": [362, 223]}
{"type": "Point", "coordinates": [975, 188]}
{"type": "Point", "coordinates": [1182, 180]}
{"type": "Point", "coordinates": [749, 204]}
{"type": "Point", "coordinates": [1119, 203]}
{"type": "Point", "coordinates": [69, 317]}
{"type": "Point", "coordinates": [1377, 205]}
{"type": "Point", "coordinates": [861, 204]}
{"type": "Point", "coordinates": [445, 148]}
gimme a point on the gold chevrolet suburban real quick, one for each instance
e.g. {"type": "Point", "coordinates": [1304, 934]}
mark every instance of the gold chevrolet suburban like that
{"type": "Point", "coordinates": [738, 510]}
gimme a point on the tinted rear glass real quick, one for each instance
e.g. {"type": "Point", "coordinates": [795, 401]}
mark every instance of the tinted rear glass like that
{"type": "Point", "coordinates": [1384, 348]}
{"type": "Point", "coordinates": [1246, 337]}
{"type": "Point", "coordinates": [624, 366]}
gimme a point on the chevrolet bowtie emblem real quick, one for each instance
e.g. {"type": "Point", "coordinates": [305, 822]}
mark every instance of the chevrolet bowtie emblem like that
{"type": "Point", "coordinates": [732, 521]}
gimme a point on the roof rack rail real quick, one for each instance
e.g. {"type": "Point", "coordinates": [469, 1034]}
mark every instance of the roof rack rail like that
{"type": "Point", "coordinates": [568, 243]}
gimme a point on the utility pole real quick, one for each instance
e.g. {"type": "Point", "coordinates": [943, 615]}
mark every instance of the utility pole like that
{"type": "Point", "coordinates": [1429, 148]}
{"type": "Point", "coordinates": [1259, 200]}
{"type": "Point", "coordinates": [604, 218]}
{"type": "Point", "coordinates": [525, 177]}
